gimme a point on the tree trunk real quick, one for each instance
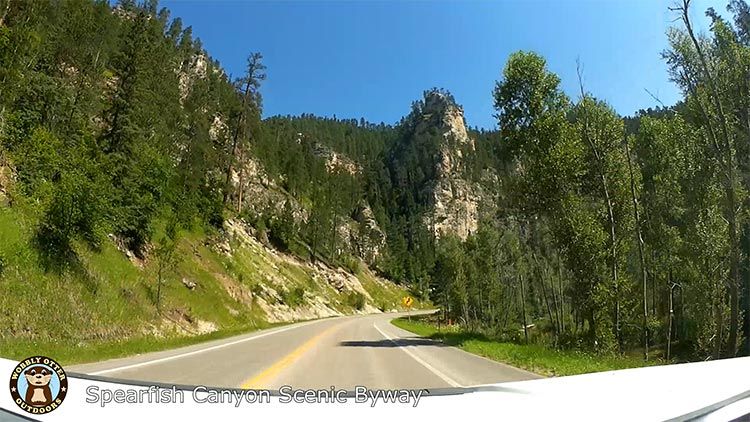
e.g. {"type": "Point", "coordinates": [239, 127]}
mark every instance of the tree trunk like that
{"type": "Point", "coordinates": [545, 298]}
{"type": "Point", "coordinates": [562, 294]}
{"type": "Point", "coordinates": [718, 320]}
{"type": "Point", "coordinates": [639, 239]}
{"type": "Point", "coordinates": [671, 319]}
{"type": "Point", "coordinates": [158, 290]}
{"type": "Point", "coordinates": [240, 189]}
{"type": "Point", "coordinates": [506, 312]}
{"type": "Point", "coordinates": [523, 309]}
{"type": "Point", "coordinates": [235, 139]}
{"type": "Point", "coordinates": [613, 251]}
{"type": "Point", "coordinates": [734, 282]}
{"type": "Point", "coordinates": [556, 304]}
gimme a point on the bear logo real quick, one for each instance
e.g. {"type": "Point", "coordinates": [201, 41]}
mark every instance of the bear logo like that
{"type": "Point", "coordinates": [38, 384]}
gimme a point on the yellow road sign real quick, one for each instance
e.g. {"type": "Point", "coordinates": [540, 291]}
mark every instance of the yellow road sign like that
{"type": "Point", "coordinates": [407, 301]}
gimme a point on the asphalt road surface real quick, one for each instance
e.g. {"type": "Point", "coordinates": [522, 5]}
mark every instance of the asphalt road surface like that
{"type": "Point", "coordinates": [344, 352]}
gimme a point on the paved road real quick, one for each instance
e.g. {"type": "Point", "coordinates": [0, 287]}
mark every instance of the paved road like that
{"type": "Point", "coordinates": [343, 352]}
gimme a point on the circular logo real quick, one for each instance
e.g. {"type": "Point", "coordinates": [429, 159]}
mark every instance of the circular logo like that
{"type": "Point", "coordinates": [38, 385]}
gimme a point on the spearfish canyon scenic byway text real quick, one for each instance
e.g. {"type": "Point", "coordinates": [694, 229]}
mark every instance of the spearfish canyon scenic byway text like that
{"type": "Point", "coordinates": [286, 394]}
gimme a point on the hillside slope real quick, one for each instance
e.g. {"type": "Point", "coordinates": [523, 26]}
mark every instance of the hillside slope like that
{"type": "Point", "coordinates": [103, 303]}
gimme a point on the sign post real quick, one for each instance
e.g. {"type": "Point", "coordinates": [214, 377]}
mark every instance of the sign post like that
{"type": "Point", "coordinates": [407, 301]}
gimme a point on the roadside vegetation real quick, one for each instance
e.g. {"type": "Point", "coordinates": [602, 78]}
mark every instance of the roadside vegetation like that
{"type": "Point", "coordinates": [70, 352]}
{"type": "Point", "coordinates": [618, 234]}
{"type": "Point", "coordinates": [538, 358]}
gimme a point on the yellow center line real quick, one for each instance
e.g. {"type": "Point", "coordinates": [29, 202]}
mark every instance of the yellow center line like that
{"type": "Point", "coordinates": [259, 380]}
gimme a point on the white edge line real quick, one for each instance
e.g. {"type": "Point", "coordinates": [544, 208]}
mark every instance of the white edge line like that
{"type": "Point", "coordinates": [195, 352]}
{"type": "Point", "coordinates": [431, 368]}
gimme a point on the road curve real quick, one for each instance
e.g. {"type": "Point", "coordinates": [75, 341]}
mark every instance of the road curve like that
{"type": "Point", "coordinates": [344, 352]}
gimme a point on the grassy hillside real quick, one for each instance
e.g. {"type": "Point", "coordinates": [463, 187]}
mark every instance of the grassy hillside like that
{"type": "Point", "coordinates": [102, 303]}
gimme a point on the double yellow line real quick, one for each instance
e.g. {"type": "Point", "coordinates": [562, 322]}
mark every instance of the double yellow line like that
{"type": "Point", "coordinates": [261, 379]}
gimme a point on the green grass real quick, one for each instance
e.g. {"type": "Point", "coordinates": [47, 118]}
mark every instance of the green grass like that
{"type": "Point", "coordinates": [102, 306]}
{"type": "Point", "coordinates": [532, 357]}
{"type": "Point", "coordinates": [68, 353]}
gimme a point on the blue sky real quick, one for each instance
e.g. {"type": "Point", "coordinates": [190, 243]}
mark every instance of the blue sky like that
{"type": "Point", "coordinates": [371, 59]}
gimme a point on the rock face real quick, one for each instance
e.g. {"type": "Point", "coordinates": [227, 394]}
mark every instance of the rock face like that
{"type": "Point", "coordinates": [335, 161]}
{"type": "Point", "coordinates": [271, 286]}
{"type": "Point", "coordinates": [362, 235]}
{"type": "Point", "coordinates": [451, 199]}
{"type": "Point", "coordinates": [194, 69]}
{"type": "Point", "coordinates": [456, 209]}
{"type": "Point", "coordinates": [261, 194]}
{"type": "Point", "coordinates": [454, 200]}
{"type": "Point", "coordinates": [370, 240]}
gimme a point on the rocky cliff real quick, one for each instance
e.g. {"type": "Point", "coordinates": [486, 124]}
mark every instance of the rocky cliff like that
{"type": "Point", "coordinates": [359, 234]}
{"type": "Point", "coordinates": [437, 136]}
{"type": "Point", "coordinates": [454, 199]}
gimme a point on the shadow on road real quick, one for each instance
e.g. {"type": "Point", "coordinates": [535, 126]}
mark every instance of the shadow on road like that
{"type": "Point", "coordinates": [402, 342]}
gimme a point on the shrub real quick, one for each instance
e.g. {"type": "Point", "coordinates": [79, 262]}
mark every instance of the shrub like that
{"type": "Point", "coordinates": [294, 297]}
{"type": "Point", "coordinates": [356, 300]}
{"type": "Point", "coordinates": [262, 231]}
{"type": "Point", "coordinates": [351, 263]}
{"type": "Point", "coordinates": [256, 289]}
{"type": "Point", "coordinates": [300, 250]}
